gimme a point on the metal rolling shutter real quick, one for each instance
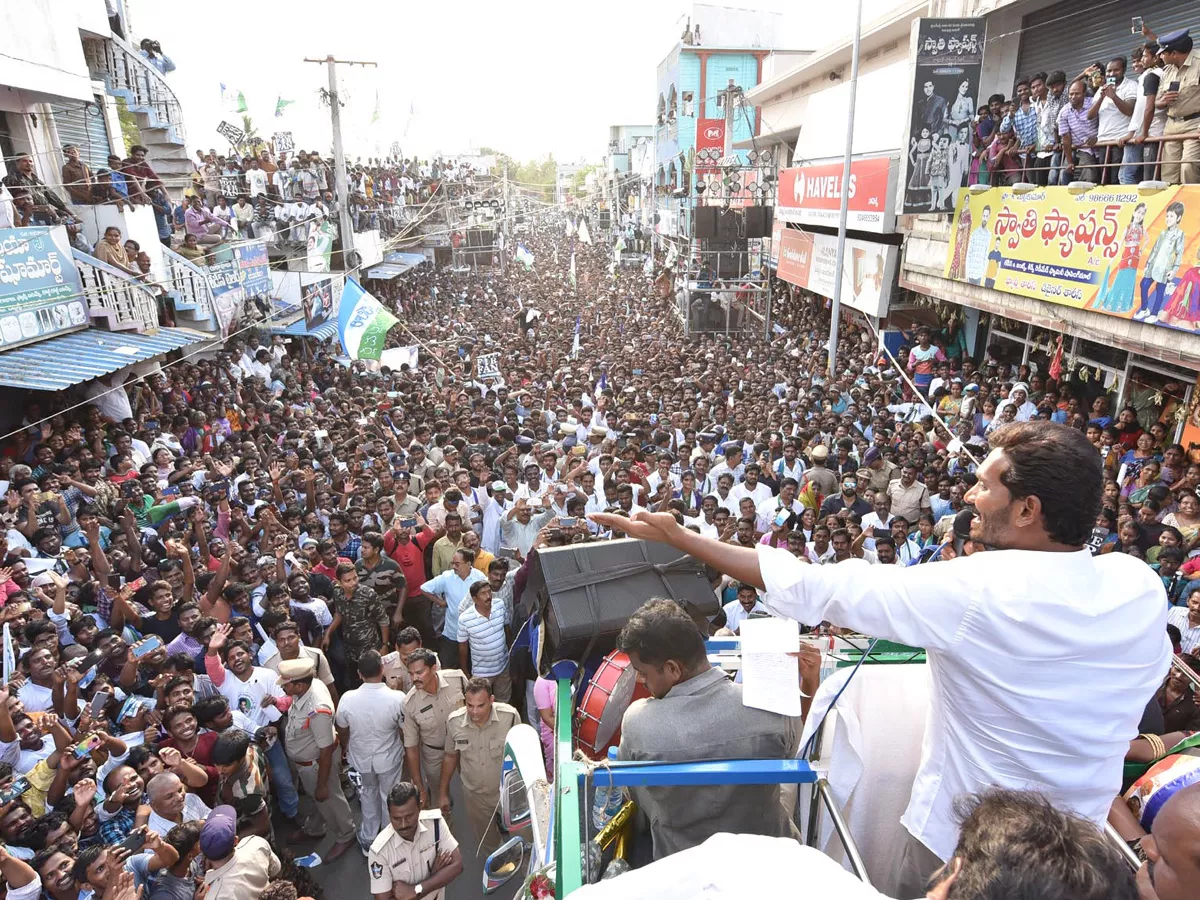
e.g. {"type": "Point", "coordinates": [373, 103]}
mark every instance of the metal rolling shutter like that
{"type": "Point", "coordinates": [84, 126]}
{"type": "Point", "coordinates": [1072, 34]}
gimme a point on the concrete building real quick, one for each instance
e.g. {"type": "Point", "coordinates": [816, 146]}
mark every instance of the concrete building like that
{"type": "Point", "coordinates": [803, 115]}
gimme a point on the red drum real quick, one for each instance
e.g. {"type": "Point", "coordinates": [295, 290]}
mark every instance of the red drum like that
{"type": "Point", "coordinates": [608, 695]}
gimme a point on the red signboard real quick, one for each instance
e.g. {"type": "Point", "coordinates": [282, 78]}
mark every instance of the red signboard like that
{"type": "Point", "coordinates": [795, 256]}
{"type": "Point", "coordinates": [812, 195]}
{"type": "Point", "coordinates": [710, 135]}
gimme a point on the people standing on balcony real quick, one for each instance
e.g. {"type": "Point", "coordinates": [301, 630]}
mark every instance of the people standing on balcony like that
{"type": "Point", "coordinates": [256, 179]}
{"type": "Point", "coordinates": [1180, 97]}
{"type": "Point", "coordinates": [111, 251]}
{"type": "Point", "coordinates": [1138, 156]}
{"type": "Point", "coordinates": [141, 172]}
{"type": "Point", "coordinates": [268, 166]}
{"type": "Point", "coordinates": [210, 173]}
{"type": "Point", "coordinates": [190, 250]}
{"type": "Point", "coordinates": [152, 50]}
{"type": "Point", "coordinates": [1049, 94]}
{"type": "Point", "coordinates": [202, 224]}
{"type": "Point", "coordinates": [224, 212]}
{"type": "Point", "coordinates": [1078, 133]}
{"type": "Point", "coordinates": [76, 176]}
{"type": "Point", "coordinates": [163, 216]}
{"type": "Point", "coordinates": [1023, 122]}
{"type": "Point", "coordinates": [243, 214]}
{"type": "Point", "coordinates": [1112, 109]}
{"type": "Point", "coordinates": [104, 191]}
{"type": "Point", "coordinates": [122, 184]}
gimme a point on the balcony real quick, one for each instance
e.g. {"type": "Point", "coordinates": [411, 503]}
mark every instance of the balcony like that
{"type": "Point", "coordinates": [190, 286]}
{"type": "Point", "coordinates": [116, 301]}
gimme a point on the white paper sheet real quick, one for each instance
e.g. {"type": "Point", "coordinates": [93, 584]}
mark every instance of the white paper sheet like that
{"type": "Point", "coordinates": [770, 677]}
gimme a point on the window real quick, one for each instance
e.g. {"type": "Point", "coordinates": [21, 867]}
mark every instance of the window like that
{"type": "Point", "coordinates": [688, 104]}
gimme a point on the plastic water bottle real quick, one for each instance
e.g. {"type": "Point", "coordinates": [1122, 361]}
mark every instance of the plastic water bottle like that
{"type": "Point", "coordinates": [608, 800]}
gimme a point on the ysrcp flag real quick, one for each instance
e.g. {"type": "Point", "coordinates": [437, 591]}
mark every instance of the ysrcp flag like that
{"type": "Point", "coordinates": [524, 257]}
{"type": "Point", "coordinates": [363, 323]}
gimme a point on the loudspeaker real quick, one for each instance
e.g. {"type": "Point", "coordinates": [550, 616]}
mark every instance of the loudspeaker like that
{"type": "Point", "coordinates": [727, 226]}
{"type": "Point", "coordinates": [759, 220]}
{"type": "Point", "coordinates": [481, 237]}
{"type": "Point", "coordinates": [704, 220]}
{"type": "Point", "coordinates": [585, 593]}
{"type": "Point", "coordinates": [605, 219]}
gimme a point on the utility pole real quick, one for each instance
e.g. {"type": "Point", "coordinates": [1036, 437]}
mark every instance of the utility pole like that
{"type": "Point", "coordinates": [507, 213]}
{"type": "Point", "coordinates": [843, 210]}
{"type": "Point", "coordinates": [729, 94]}
{"type": "Point", "coordinates": [345, 226]}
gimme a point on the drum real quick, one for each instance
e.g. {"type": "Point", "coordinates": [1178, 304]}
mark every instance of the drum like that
{"type": "Point", "coordinates": [608, 695]}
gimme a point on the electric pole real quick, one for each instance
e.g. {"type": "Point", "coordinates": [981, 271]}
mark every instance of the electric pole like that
{"type": "Point", "coordinates": [729, 94]}
{"type": "Point", "coordinates": [345, 226]}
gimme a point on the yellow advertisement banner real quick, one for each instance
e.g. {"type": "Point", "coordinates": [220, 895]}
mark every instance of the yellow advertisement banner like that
{"type": "Point", "coordinates": [1111, 250]}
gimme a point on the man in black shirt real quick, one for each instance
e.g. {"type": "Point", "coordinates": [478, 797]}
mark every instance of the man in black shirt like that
{"type": "Point", "coordinates": [847, 499]}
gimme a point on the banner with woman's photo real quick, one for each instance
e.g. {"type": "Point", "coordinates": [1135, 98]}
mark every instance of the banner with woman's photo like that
{"type": "Point", "coordinates": [949, 56]}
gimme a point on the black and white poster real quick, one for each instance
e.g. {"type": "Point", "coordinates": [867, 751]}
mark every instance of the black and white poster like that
{"type": "Point", "coordinates": [945, 98]}
{"type": "Point", "coordinates": [231, 133]}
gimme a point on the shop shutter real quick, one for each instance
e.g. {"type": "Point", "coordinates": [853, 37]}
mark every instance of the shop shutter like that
{"type": "Point", "coordinates": [1075, 33]}
{"type": "Point", "coordinates": [83, 126]}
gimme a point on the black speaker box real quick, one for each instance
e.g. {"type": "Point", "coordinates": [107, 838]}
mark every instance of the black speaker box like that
{"type": "Point", "coordinates": [727, 226]}
{"type": "Point", "coordinates": [704, 219]}
{"type": "Point", "coordinates": [759, 220]}
{"type": "Point", "coordinates": [585, 593]}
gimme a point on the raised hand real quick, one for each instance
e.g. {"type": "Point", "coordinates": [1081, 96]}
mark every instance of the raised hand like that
{"type": "Point", "coordinates": [219, 637]}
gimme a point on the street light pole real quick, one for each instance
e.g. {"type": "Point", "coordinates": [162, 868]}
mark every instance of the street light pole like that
{"type": "Point", "coordinates": [843, 208]}
{"type": "Point", "coordinates": [345, 226]}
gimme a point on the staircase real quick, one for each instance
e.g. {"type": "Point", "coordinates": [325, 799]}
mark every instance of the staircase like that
{"type": "Point", "coordinates": [189, 286]}
{"type": "Point", "coordinates": [130, 76]}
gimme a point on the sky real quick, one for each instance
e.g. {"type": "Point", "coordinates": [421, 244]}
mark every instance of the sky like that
{"type": "Point", "coordinates": [527, 78]}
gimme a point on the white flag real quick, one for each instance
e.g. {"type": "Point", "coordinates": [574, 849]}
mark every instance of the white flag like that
{"type": "Point", "coordinates": [584, 237]}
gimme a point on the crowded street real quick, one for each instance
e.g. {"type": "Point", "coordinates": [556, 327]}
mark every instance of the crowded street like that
{"type": "Point", "coordinates": [410, 498]}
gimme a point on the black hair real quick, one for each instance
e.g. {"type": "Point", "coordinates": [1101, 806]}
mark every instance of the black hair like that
{"type": "Point", "coordinates": [660, 630]}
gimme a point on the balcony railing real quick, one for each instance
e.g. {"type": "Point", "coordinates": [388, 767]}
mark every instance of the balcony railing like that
{"type": "Point", "coordinates": [113, 296]}
{"type": "Point", "coordinates": [190, 283]}
{"type": "Point", "coordinates": [129, 75]}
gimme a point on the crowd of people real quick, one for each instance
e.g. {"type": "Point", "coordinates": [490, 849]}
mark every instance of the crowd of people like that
{"type": "Point", "coordinates": [1116, 122]}
{"type": "Point", "coordinates": [256, 586]}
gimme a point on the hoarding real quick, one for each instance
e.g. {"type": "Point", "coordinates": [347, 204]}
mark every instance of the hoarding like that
{"type": "Point", "coordinates": [812, 195]}
{"type": "Point", "coordinates": [40, 290]}
{"type": "Point", "coordinates": [809, 260]}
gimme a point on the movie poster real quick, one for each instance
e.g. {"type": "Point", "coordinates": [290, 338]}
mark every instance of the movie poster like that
{"type": "Point", "coordinates": [945, 98]}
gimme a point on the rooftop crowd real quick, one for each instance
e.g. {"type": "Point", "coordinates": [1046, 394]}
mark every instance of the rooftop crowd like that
{"type": "Point", "coordinates": [251, 588]}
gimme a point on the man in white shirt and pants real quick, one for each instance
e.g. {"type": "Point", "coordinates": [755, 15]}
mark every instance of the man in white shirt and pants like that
{"type": "Point", "coordinates": [368, 720]}
{"type": "Point", "coordinates": [1011, 636]}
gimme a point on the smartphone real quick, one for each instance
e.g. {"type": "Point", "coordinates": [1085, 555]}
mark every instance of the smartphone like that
{"type": "Point", "coordinates": [1173, 87]}
{"type": "Point", "coordinates": [152, 643]}
{"type": "Point", "coordinates": [14, 790]}
{"type": "Point", "coordinates": [568, 521]}
{"type": "Point", "coordinates": [151, 423]}
{"type": "Point", "coordinates": [134, 842]}
{"type": "Point", "coordinates": [507, 553]}
{"type": "Point", "coordinates": [408, 523]}
{"type": "Point", "coordinates": [781, 518]}
{"type": "Point", "coordinates": [86, 746]}
{"type": "Point", "coordinates": [1110, 80]}
{"type": "Point", "coordinates": [137, 584]}
{"type": "Point", "coordinates": [1136, 27]}
{"type": "Point", "coordinates": [98, 703]}
{"type": "Point", "coordinates": [88, 677]}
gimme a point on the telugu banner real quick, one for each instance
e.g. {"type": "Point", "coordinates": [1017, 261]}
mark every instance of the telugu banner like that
{"type": "Point", "coordinates": [40, 290]}
{"type": "Point", "coordinates": [1116, 251]}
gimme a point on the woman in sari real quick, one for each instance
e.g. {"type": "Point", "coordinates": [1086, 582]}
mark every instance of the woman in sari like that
{"type": "Point", "coordinates": [1186, 518]}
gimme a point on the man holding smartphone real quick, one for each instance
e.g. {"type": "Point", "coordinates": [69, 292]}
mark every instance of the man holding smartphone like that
{"type": "Point", "coordinates": [1179, 95]}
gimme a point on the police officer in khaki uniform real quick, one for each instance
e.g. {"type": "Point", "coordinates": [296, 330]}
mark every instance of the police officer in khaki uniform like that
{"type": "Point", "coordinates": [416, 849]}
{"type": "Point", "coordinates": [475, 738]}
{"type": "Point", "coordinates": [435, 694]}
{"type": "Point", "coordinates": [311, 746]}
{"type": "Point", "coordinates": [1180, 159]}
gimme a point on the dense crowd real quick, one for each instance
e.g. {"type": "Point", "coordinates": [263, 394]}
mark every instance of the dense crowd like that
{"type": "Point", "coordinates": [255, 584]}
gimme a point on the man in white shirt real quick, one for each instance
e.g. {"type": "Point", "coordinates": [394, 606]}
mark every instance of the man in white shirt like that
{"type": "Point", "coordinates": [108, 395]}
{"type": "Point", "coordinates": [368, 721]}
{"type": "Point", "coordinates": [1113, 105]}
{"type": "Point", "coordinates": [880, 517]}
{"type": "Point", "coordinates": [256, 180]}
{"type": "Point", "coordinates": [1011, 635]}
{"type": "Point", "coordinates": [739, 610]}
{"type": "Point", "coordinates": [751, 487]}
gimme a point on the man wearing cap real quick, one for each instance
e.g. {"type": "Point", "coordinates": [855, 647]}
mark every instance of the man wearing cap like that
{"type": "Point", "coordinates": [235, 869]}
{"type": "Point", "coordinates": [876, 473]}
{"type": "Point", "coordinates": [311, 746]}
{"type": "Point", "coordinates": [1179, 95]}
{"type": "Point", "coordinates": [415, 851]}
{"type": "Point", "coordinates": [475, 738]}
{"type": "Point", "coordinates": [436, 693]}
{"type": "Point", "coordinates": [823, 480]}
{"type": "Point", "coordinates": [404, 485]}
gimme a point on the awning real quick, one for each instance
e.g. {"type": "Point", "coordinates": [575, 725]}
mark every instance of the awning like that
{"type": "Point", "coordinates": [326, 331]}
{"type": "Point", "coordinates": [386, 271]}
{"type": "Point", "coordinates": [395, 263]}
{"type": "Point", "coordinates": [59, 362]}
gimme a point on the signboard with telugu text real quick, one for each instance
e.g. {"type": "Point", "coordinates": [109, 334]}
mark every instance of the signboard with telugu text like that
{"type": "Point", "coordinates": [234, 275]}
{"type": "Point", "coordinates": [40, 290]}
{"type": "Point", "coordinates": [1113, 250]}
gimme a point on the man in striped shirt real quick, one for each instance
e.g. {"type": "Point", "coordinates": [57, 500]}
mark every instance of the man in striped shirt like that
{"type": "Point", "coordinates": [483, 646]}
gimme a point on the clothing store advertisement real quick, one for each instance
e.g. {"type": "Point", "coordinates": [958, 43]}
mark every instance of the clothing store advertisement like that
{"type": "Point", "coordinates": [1118, 252]}
{"type": "Point", "coordinates": [812, 195]}
{"type": "Point", "coordinates": [949, 55]}
{"type": "Point", "coordinates": [809, 260]}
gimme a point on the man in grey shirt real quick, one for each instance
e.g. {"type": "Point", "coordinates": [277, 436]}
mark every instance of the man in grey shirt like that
{"type": "Point", "coordinates": [696, 713]}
